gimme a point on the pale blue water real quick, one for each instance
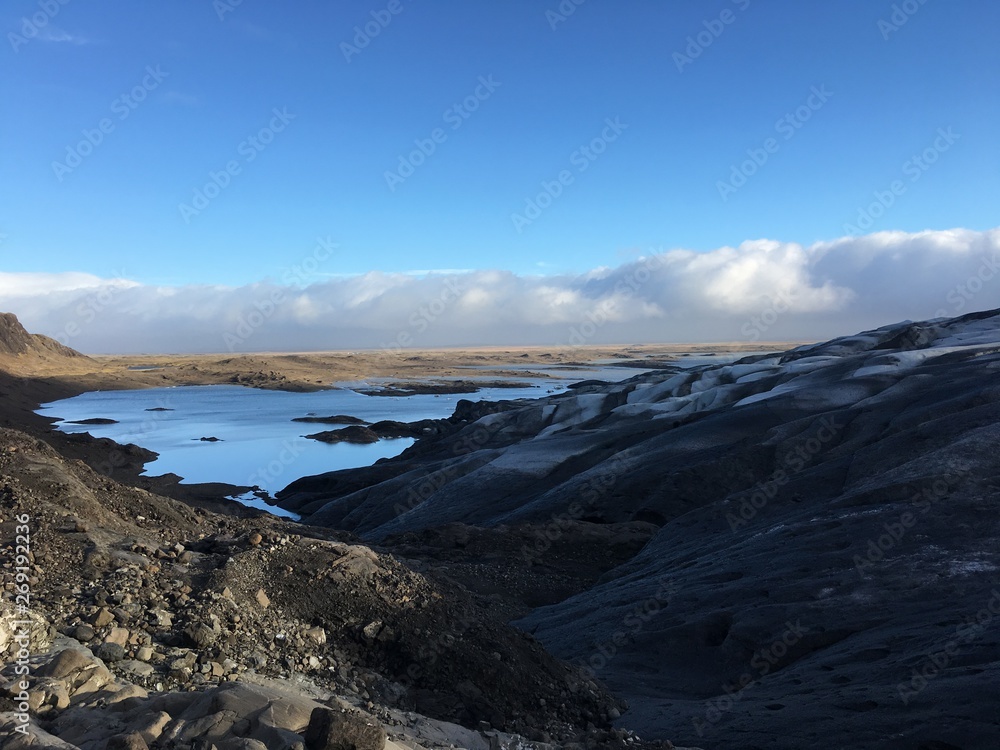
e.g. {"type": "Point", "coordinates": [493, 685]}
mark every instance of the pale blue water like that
{"type": "Point", "coordinates": [259, 444]}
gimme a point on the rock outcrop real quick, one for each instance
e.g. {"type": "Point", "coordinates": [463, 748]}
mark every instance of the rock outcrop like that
{"type": "Point", "coordinates": [16, 342]}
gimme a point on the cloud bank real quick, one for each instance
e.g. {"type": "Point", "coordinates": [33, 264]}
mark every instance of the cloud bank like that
{"type": "Point", "coordinates": [762, 290]}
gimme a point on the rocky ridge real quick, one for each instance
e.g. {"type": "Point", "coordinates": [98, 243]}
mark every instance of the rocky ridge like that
{"type": "Point", "coordinates": [17, 342]}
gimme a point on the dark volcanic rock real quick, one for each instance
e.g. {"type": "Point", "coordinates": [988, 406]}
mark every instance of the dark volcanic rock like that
{"type": "Point", "coordinates": [110, 652]}
{"type": "Point", "coordinates": [336, 730]}
{"type": "Point", "coordinates": [335, 419]}
{"type": "Point", "coordinates": [94, 420]}
{"type": "Point", "coordinates": [587, 384]}
{"type": "Point", "coordinates": [353, 434]}
{"type": "Point", "coordinates": [826, 568]}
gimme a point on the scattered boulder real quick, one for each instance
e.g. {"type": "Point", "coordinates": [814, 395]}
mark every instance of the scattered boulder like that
{"type": "Point", "coordinates": [110, 652]}
{"type": "Point", "coordinates": [339, 730]}
{"type": "Point", "coordinates": [335, 419]}
{"type": "Point", "coordinates": [130, 741]}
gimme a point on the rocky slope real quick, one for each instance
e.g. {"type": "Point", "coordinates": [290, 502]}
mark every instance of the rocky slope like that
{"type": "Point", "coordinates": [823, 559]}
{"type": "Point", "coordinates": [17, 342]}
{"type": "Point", "coordinates": [188, 628]}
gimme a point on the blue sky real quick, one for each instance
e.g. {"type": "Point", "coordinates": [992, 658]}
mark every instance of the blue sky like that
{"type": "Point", "coordinates": [656, 185]}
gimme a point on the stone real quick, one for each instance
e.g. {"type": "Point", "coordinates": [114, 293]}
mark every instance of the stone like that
{"type": "Point", "coordinates": [103, 618]}
{"type": "Point", "coordinates": [67, 663]}
{"type": "Point", "coordinates": [371, 630]}
{"type": "Point", "coordinates": [150, 726]}
{"type": "Point", "coordinates": [240, 743]}
{"type": "Point", "coordinates": [136, 667]}
{"type": "Point", "coordinates": [110, 652]}
{"type": "Point", "coordinates": [84, 633]}
{"type": "Point", "coordinates": [262, 598]}
{"type": "Point", "coordinates": [48, 692]}
{"type": "Point", "coordinates": [200, 635]}
{"type": "Point", "coordinates": [338, 730]}
{"type": "Point", "coordinates": [126, 693]}
{"type": "Point", "coordinates": [161, 618]}
{"type": "Point", "coordinates": [132, 741]}
{"type": "Point", "coordinates": [317, 635]}
{"type": "Point", "coordinates": [119, 636]}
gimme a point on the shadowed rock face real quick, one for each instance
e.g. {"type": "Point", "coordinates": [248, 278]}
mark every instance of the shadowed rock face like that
{"type": "Point", "coordinates": [826, 568]}
{"type": "Point", "coordinates": [14, 340]}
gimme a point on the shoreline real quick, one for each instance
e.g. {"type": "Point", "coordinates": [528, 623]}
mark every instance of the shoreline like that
{"type": "Point", "coordinates": [28, 382]}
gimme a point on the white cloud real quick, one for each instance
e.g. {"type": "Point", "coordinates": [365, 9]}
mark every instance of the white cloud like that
{"type": "Point", "coordinates": [52, 34]}
{"type": "Point", "coordinates": [762, 289]}
{"type": "Point", "coordinates": [34, 284]}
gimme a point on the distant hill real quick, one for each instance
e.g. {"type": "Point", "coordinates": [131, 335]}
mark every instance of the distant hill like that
{"type": "Point", "coordinates": [16, 341]}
